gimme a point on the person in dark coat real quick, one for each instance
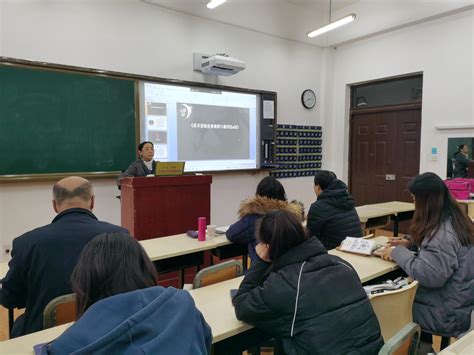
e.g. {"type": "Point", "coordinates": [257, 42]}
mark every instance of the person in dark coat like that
{"type": "Point", "coordinates": [460, 161]}
{"type": "Point", "coordinates": [144, 165]}
{"type": "Point", "coordinates": [121, 310]}
{"type": "Point", "coordinates": [312, 302]}
{"type": "Point", "coordinates": [333, 216]}
{"type": "Point", "coordinates": [43, 259]}
{"type": "Point", "coordinates": [270, 196]}
{"type": "Point", "coordinates": [444, 265]}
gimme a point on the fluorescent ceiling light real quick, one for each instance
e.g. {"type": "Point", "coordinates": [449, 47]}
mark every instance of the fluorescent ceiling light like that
{"type": "Point", "coordinates": [343, 21]}
{"type": "Point", "coordinates": [214, 3]}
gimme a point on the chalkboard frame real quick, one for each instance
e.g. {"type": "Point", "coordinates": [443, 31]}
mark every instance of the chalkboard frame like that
{"type": "Point", "coordinates": [118, 75]}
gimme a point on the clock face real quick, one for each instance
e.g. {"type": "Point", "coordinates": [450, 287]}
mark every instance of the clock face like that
{"type": "Point", "coordinates": [308, 98]}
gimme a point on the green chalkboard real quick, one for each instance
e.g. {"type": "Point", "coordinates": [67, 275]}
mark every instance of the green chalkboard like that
{"type": "Point", "coordinates": [54, 122]}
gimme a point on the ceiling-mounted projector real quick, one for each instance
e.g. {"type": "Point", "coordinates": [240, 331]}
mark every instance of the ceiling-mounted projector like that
{"type": "Point", "coordinates": [217, 64]}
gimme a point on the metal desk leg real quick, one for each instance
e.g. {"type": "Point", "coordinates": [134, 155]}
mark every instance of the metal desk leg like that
{"type": "Point", "coordinates": [181, 277]}
{"type": "Point", "coordinates": [245, 261]}
{"type": "Point", "coordinates": [396, 220]}
{"type": "Point", "coordinates": [10, 321]}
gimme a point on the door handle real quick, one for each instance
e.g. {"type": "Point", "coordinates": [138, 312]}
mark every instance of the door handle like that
{"type": "Point", "coordinates": [390, 177]}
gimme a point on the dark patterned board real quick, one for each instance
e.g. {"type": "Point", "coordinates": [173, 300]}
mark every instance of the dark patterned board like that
{"type": "Point", "coordinates": [298, 150]}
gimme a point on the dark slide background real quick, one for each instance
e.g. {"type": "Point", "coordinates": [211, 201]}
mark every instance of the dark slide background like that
{"type": "Point", "coordinates": [211, 143]}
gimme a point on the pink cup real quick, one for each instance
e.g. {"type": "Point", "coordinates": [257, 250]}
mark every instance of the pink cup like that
{"type": "Point", "coordinates": [202, 229]}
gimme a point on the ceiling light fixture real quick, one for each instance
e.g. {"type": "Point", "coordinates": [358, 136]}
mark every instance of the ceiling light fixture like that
{"type": "Point", "coordinates": [214, 3]}
{"type": "Point", "coordinates": [332, 25]}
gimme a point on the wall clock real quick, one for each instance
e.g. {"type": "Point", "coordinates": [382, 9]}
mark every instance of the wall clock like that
{"type": "Point", "coordinates": [308, 98]}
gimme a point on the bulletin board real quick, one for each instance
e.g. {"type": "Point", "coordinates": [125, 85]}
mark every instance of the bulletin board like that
{"type": "Point", "coordinates": [298, 151]}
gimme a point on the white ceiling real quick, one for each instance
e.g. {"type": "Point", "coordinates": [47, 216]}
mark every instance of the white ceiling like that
{"type": "Point", "coordinates": [292, 19]}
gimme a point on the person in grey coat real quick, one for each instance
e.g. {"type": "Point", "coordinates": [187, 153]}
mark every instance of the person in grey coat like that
{"type": "Point", "coordinates": [144, 165]}
{"type": "Point", "coordinates": [444, 264]}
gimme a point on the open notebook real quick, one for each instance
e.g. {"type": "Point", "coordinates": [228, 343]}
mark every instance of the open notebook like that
{"type": "Point", "coordinates": [361, 246]}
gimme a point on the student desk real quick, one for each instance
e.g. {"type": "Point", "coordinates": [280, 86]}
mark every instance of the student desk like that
{"type": "Point", "coordinates": [367, 267]}
{"type": "Point", "coordinates": [372, 217]}
{"type": "Point", "coordinates": [3, 272]}
{"type": "Point", "coordinates": [401, 211]}
{"type": "Point", "coordinates": [469, 206]}
{"type": "Point", "coordinates": [463, 346]}
{"type": "Point", "coordinates": [177, 252]}
{"type": "Point", "coordinates": [215, 304]}
{"type": "Point", "coordinates": [3, 269]}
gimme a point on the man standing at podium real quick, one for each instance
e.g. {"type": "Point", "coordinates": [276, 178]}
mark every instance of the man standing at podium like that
{"type": "Point", "coordinates": [43, 259]}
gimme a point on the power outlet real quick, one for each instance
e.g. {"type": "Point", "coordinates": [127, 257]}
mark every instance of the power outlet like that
{"type": "Point", "coordinates": [6, 249]}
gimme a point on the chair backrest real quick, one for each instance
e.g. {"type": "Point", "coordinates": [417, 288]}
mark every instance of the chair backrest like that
{"type": "Point", "coordinates": [217, 273]}
{"type": "Point", "coordinates": [394, 309]}
{"type": "Point", "coordinates": [60, 310]}
{"type": "Point", "coordinates": [404, 342]}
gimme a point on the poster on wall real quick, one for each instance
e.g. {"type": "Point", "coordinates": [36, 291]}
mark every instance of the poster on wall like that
{"type": "Point", "coordinates": [460, 156]}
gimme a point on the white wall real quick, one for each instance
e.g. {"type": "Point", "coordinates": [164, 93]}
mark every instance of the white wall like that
{"type": "Point", "coordinates": [443, 50]}
{"type": "Point", "coordinates": [134, 37]}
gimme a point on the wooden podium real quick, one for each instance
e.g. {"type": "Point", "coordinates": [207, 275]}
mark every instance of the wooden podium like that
{"type": "Point", "coordinates": [161, 206]}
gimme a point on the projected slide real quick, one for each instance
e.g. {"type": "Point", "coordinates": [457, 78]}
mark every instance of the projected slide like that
{"type": "Point", "coordinates": [209, 129]}
{"type": "Point", "coordinates": [212, 132]}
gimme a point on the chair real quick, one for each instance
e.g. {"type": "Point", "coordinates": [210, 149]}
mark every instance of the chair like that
{"type": "Point", "coordinates": [404, 342]}
{"type": "Point", "coordinates": [394, 309]}
{"type": "Point", "coordinates": [60, 310]}
{"type": "Point", "coordinates": [217, 273]}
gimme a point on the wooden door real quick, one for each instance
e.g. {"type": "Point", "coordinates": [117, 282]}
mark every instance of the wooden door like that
{"type": "Point", "coordinates": [384, 153]}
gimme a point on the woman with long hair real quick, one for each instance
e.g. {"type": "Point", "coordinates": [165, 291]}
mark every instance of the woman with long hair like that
{"type": "Point", "coordinates": [312, 302]}
{"type": "Point", "coordinates": [444, 264]}
{"type": "Point", "coordinates": [120, 308]}
{"type": "Point", "coordinates": [270, 196]}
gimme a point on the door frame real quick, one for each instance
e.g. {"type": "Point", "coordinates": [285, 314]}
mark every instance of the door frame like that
{"type": "Point", "coordinates": [375, 109]}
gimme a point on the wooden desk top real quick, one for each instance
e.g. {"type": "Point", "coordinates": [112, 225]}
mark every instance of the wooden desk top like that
{"type": "Point", "coordinates": [464, 346]}
{"type": "Point", "coordinates": [396, 206]}
{"type": "Point", "coordinates": [367, 267]}
{"type": "Point", "coordinates": [180, 244]}
{"type": "Point", "coordinates": [367, 212]}
{"type": "Point", "coordinates": [3, 269]}
{"type": "Point", "coordinates": [466, 201]}
{"type": "Point", "coordinates": [215, 304]}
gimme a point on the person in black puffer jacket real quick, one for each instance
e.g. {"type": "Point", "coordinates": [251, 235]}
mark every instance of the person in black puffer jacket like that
{"type": "Point", "coordinates": [333, 216]}
{"type": "Point", "coordinates": [310, 301]}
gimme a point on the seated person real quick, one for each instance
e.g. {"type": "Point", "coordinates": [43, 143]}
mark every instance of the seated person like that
{"type": "Point", "coordinates": [444, 265]}
{"type": "Point", "coordinates": [43, 259]}
{"type": "Point", "coordinates": [312, 302]}
{"type": "Point", "coordinates": [122, 311]}
{"type": "Point", "coordinates": [270, 196]}
{"type": "Point", "coordinates": [144, 165]}
{"type": "Point", "coordinates": [333, 216]}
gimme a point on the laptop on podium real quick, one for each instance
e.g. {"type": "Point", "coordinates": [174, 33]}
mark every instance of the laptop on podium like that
{"type": "Point", "coordinates": [169, 168]}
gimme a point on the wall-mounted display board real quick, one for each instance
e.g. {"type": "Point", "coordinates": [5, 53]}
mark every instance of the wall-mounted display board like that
{"type": "Point", "coordinates": [58, 120]}
{"type": "Point", "coordinates": [298, 150]}
{"type": "Point", "coordinates": [55, 122]}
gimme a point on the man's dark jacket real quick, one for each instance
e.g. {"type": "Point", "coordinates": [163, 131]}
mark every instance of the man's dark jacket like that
{"type": "Point", "coordinates": [312, 301]}
{"type": "Point", "coordinates": [333, 216]}
{"type": "Point", "coordinates": [42, 263]}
